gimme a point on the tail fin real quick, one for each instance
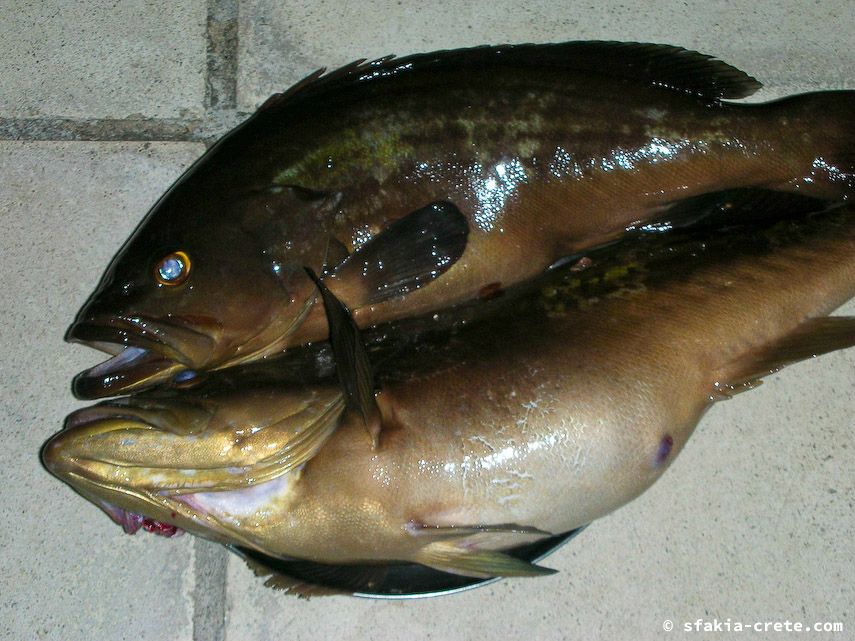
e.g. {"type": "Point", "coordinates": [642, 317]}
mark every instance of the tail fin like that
{"type": "Point", "coordinates": [823, 124]}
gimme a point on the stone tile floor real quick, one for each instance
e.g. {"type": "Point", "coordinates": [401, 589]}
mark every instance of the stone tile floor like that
{"type": "Point", "coordinates": [103, 104]}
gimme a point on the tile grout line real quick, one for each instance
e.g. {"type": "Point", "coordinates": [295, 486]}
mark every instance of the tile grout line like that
{"type": "Point", "coordinates": [103, 129]}
{"type": "Point", "coordinates": [210, 560]}
{"type": "Point", "coordinates": [220, 101]}
{"type": "Point", "coordinates": [210, 564]}
{"type": "Point", "coordinates": [222, 55]}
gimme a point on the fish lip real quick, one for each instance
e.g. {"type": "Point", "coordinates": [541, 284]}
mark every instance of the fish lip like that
{"type": "Point", "coordinates": [144, 352]}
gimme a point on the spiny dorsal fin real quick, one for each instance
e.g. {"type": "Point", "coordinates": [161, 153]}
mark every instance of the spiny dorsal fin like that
{"type": "Point", "coordinates": [666, 66]}
{"type": "Point", "coordinates": [814, 337]}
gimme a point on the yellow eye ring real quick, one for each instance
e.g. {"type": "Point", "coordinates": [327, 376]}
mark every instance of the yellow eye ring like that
{"type": "Point", "coordinates": [173, 269]}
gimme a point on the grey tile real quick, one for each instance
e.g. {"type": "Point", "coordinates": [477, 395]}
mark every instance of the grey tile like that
{"type": "Point", "coordinates": [752, 523]}
{"type": "Point", "coordinates": [789, 45]}
{"type": "Point", "coordinates": [68, 572]}
{"type": "Point", "coordinates": [102, 59]}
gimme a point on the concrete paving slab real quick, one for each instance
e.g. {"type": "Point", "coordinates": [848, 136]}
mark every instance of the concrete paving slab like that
{"type": "Point", "coordinates": [102, 59]}
{"type": "Point", "coordinates": [789, 45]}
{"type": "Point", "coordinates": [752, 523]}
{"type": "Point", "coordinates": [68, 572]}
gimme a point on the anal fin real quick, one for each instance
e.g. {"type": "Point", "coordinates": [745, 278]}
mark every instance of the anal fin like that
{"type": "Point", "coordinates": [448, 557]}
{"type": "Point", "coordinates": [814, 337]}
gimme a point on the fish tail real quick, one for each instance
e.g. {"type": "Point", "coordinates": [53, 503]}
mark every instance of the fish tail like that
{"type": "Point", "coordinates": [821, 126]}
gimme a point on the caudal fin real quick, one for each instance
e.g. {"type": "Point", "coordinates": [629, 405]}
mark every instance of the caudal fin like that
{"type": "Point", "coordinates": [822, 126]}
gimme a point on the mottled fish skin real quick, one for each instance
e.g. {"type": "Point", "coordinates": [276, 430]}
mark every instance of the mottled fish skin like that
{"type": "Point", "coordinates": [543, 161]}
{"type": "Point", "coordinates": [539, 419]}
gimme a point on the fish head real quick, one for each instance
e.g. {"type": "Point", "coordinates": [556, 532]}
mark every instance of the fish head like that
{"type": "Point", "coordinates": [203, 284]}
{"type": "Point", "coordinates": [191, 462]}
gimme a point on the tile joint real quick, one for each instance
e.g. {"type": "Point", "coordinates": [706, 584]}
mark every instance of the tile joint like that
{"type": "Point", "coordinates": [210, 564]}
{"type": "Point", "coordinates": [220, 102]}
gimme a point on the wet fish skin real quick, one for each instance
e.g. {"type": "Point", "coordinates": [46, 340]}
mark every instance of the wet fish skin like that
{"type": "Point", "coordinates": [539, 419]}
{"type": "Point", "coordinates": [547, 150]}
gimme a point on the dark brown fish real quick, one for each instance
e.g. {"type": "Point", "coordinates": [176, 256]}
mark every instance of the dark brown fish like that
{"type": "Point", "coordinates": [507, 159]}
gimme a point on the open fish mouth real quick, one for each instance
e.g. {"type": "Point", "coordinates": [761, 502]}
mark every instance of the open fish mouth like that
{"type": "Point", "coordinates": [153, 508]}
{"type": "Point", "coordinates": [169, 461]}
{"type": "Point", "coordinates": [144, 352]}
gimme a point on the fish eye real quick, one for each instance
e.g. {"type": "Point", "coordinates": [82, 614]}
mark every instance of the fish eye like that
{"type": "Point", "coordinates": [172, 269]}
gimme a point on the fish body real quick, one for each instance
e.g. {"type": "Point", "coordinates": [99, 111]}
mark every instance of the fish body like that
{"type": "Point", "coordinates": [546, 151]}
{"type": "Point", "coordinates": [535, 423]}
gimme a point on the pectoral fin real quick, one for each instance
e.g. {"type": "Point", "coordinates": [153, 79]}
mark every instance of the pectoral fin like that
{"type": "Point", "coordinates": [814, 337]}
{"type": "Point", "coordinates": [406, 255]}
{"type": "Point", "coordinates": [351, 359]}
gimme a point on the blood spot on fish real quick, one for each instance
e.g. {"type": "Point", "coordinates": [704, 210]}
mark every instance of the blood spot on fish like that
{"type": "Point", "coordinates": [161, 529]}
{"type": "Point", "coordinates": [493, 290]}
{"type": "Point", "coordinates": [665, 447]}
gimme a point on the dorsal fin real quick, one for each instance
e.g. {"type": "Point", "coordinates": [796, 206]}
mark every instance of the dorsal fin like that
{"type": "Point", "coordinates": [665, 66]}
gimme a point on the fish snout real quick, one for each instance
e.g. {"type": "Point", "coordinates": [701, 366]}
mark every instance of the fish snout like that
{"type": "Point", "coordinates": [86, 446]}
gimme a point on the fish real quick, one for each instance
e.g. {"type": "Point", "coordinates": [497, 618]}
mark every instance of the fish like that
{"type": "Point", "coordinates": [505, 431]}
{"type": "Point", "coordinates": [545, 151]}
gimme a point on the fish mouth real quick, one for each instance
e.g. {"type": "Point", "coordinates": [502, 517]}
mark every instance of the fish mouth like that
{"type": "Point", "coordinates": [182, 461]}
{"type": "Point", "coordinates": [144, 352]}
{"type": "Point", "coordinates": [153, 497]}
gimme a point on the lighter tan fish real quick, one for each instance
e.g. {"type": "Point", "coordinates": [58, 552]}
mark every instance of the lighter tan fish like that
{"type": "Point", "coordinates": [535, 423]}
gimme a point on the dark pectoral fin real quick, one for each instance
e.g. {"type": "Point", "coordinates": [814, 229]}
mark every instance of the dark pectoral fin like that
{"type": "Point", "coordinates": [732, 207]}
{"type": "Point", "coordinates": [407, 255]}
{"type": "Point", "coordinates": [351, 359]}
{"type": "Point", "coordinates": [813, 338]}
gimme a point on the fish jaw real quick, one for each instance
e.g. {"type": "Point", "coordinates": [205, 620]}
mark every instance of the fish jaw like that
{"type": "Point", "coordinates": [166, 464]}
{"type": "Point", "coordinates": [159, 503]}
{"type": "Point", "coordinates": [145, 351]}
